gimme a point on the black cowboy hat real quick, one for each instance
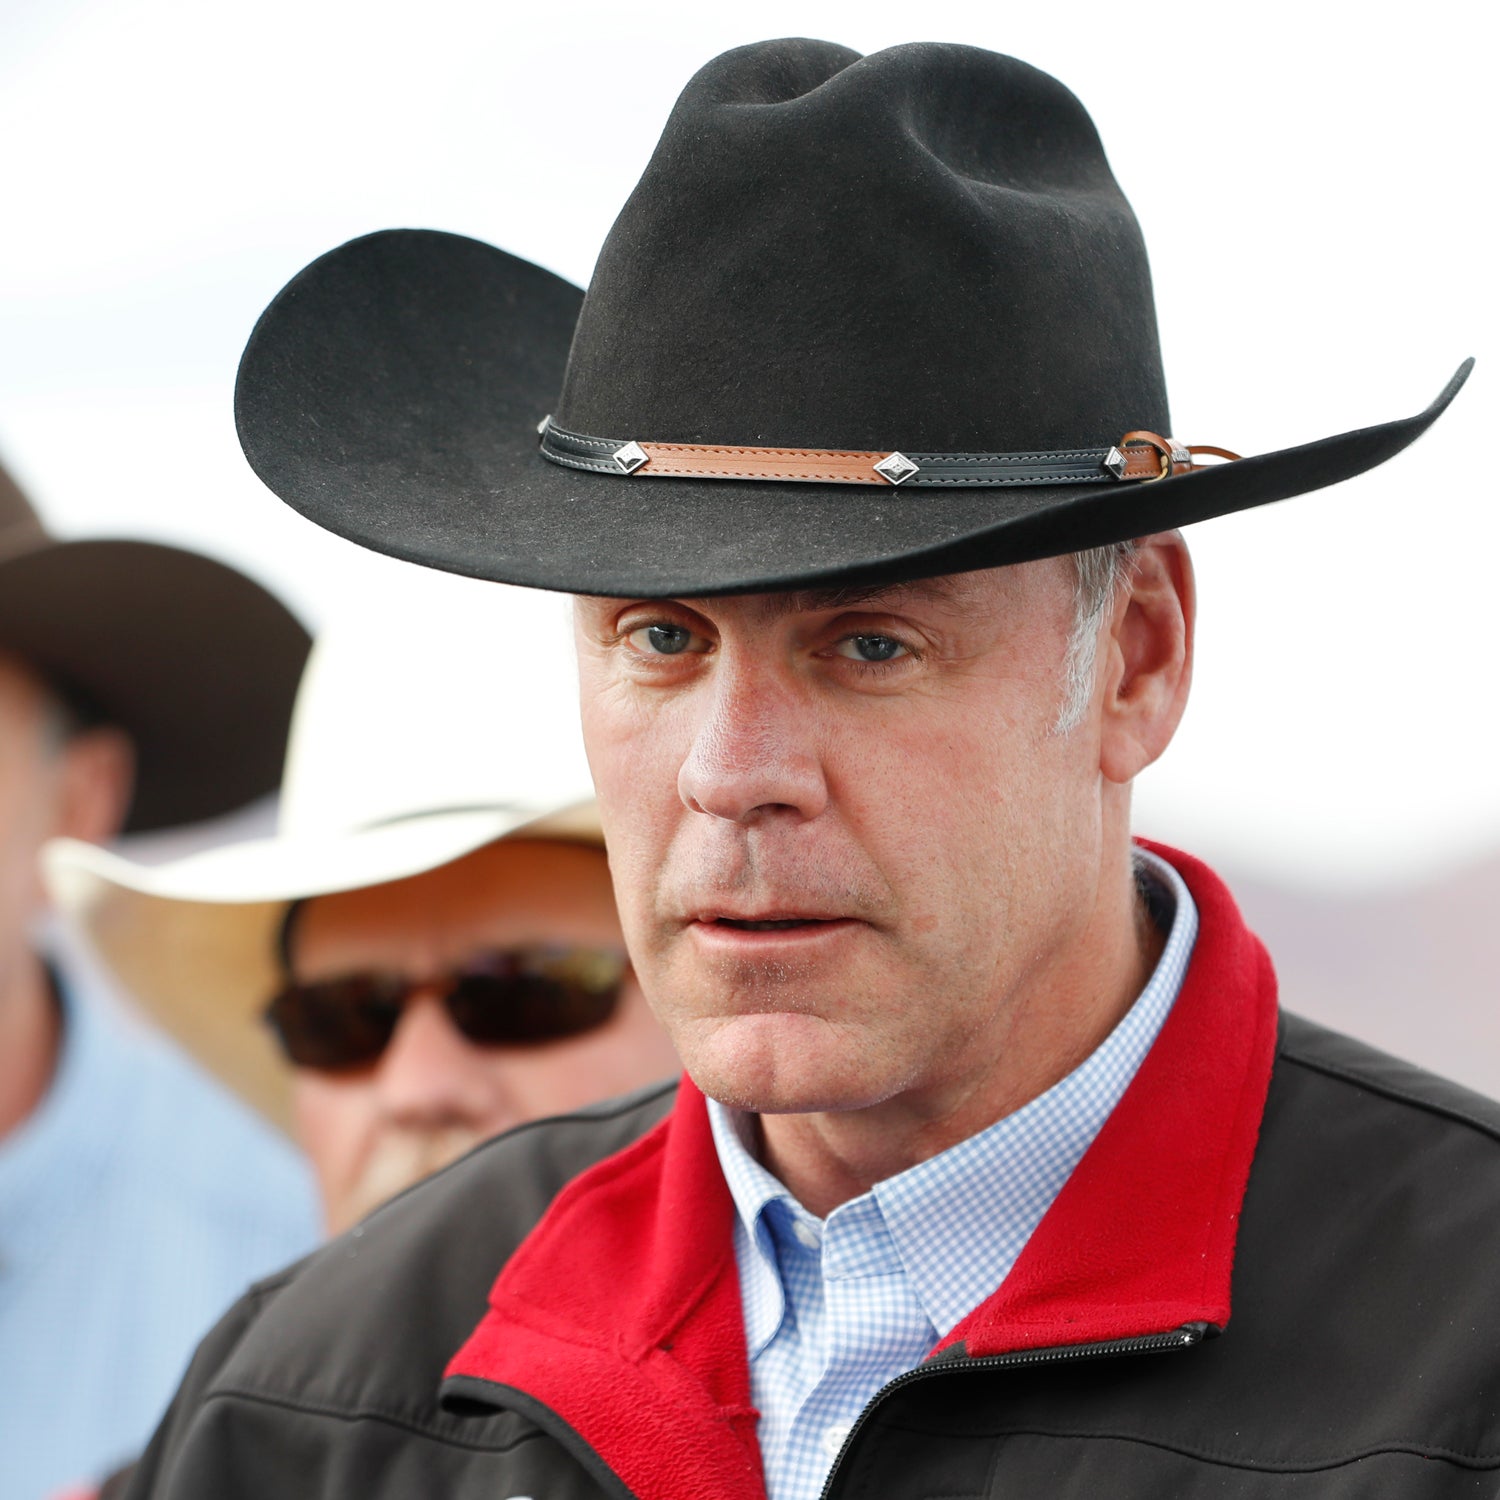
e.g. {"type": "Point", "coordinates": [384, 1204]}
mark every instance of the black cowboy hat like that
{"type": "Point", "coordinates": [194, 661]}
{"type": "Point", "coordinates": [863, 319]}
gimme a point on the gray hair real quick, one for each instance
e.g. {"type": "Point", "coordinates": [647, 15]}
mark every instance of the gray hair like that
{"type": "Point", "coordinates": [1099, 574]}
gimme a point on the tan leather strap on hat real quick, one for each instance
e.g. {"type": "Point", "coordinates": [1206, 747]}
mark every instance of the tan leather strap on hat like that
{"type": "Point", "coordinates": [814, 465]}
{"type": "Point", "coordinates": [1165, 456]}
{"type": "Point", "coordinates": [1138, 456]}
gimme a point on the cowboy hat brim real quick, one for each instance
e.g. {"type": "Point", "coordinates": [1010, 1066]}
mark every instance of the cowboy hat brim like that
{"type": "Point", "coordinates": [196, 940]}
{"type": "Point", "coordinates": [391, 393]}
{"type": "Point", "coordinates": [195, 661]}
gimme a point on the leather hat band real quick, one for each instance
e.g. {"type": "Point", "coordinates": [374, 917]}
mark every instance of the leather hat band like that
{"type": "Point", "coordinates": [1137, 456]}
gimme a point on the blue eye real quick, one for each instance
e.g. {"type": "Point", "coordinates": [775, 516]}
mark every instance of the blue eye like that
{"type": "Point", "coordinates": [871, 648]}
{"type": "Point", "coordinates": [662, 639]}
{"type": "Point", "coordinates": [668, 639]}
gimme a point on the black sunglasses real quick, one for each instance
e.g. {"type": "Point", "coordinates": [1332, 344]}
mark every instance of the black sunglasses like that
{"type": "Point", "coordinates": [508, 997]}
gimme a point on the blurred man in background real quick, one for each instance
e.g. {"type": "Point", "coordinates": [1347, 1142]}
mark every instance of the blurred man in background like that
{"type": "Point", "coordinates": [428, 953]}
{"type": "Point", "coordinates": [141, 687]}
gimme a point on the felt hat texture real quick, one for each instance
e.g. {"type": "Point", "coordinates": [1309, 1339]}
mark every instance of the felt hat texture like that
{"type": "Point", "coordinates": [923, 249]}
{"type": "Point", "coordinates": [197, 662]}
{"type": "Point", "coordinates": [423, 731]}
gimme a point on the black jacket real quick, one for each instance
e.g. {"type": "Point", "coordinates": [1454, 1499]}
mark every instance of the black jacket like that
{"type": "Point", "coordinates": [1362, 1358]}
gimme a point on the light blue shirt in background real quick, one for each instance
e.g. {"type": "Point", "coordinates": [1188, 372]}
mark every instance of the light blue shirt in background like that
{"type": "Point", "coordinates": [135, 1204]}
{"type": "Point", "coordinates": [836, 1308]}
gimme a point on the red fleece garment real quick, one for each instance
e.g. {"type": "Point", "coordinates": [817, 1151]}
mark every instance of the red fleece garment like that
{"type": "Point", "coordinates": [621, 1310]}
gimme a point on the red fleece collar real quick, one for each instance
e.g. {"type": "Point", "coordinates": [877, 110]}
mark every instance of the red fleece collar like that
{"type": "Point", "coordinates": [621, 1311]}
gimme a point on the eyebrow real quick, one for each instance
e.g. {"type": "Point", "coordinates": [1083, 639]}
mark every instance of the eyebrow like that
{"type": "Point", "coordinates": [850, 596]}
{"type": "Point", "coordinates": [847, 596]}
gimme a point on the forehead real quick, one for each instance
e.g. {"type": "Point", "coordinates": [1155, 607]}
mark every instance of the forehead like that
{"type": "Point", "coordinates": [980, 597]}
{"type": "Point", "coordinates": [946, 594]}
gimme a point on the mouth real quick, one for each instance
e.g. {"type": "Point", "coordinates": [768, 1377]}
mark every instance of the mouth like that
{"type": "Point", "coordinates": [771, 924]}
{"type": "Point", "coordinates": [745, 931]}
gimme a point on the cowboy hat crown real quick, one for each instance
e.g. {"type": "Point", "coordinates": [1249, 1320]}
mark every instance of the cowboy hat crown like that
{"type": "Point", "coordinates": [924, 249]}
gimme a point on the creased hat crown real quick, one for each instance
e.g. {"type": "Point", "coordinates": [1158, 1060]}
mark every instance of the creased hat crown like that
{"type": "Point", "coordinates": [922, 248]}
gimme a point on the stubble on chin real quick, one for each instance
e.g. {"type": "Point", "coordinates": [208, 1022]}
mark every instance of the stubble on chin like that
{"type": "Point", "coordinates": [776, 1037]}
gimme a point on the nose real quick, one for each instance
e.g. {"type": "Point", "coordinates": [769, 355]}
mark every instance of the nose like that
{"type": "Point", "coordinates": [754, 754]}
{"type": "Point", "coordinates": [431, 1076]}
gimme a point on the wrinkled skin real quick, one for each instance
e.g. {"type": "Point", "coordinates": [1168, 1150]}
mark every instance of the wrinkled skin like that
{"type": "Point", "coordinates": [880, 774]}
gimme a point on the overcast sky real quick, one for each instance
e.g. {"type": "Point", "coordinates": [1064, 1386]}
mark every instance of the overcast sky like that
{"type": "Point", "coordinates": [1315, 182]}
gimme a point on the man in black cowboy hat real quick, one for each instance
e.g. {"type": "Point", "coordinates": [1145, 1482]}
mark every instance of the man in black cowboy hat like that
{"type": "Point", "coordinates": [140, 686]}
{"type": "Point", "coordinates": [997, 1169]}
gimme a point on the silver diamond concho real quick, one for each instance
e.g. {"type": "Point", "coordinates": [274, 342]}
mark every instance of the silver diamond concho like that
{"type": "Point", "coordinates": [1114, 461]}
{"type": "Point", "coordinates": [631, 457]}
{"type": "Point", "coordinates": [896, 467]}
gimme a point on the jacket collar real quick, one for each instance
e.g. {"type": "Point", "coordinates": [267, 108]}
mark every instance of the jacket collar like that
{"type": "Point", "coordinates": [1141, 1237]}
{"type": "Point", "coordinates": [620, 1313]}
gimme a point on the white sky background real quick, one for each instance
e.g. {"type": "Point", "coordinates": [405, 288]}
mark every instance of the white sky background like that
{"type": "Point", "coordinates": [1315, 182]}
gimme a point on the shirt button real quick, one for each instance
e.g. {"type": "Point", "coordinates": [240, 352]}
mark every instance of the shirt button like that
{"type": "Point", "coordinates": [834, 1435]}
{"type": "Point", "coordinates": [805, 1234]}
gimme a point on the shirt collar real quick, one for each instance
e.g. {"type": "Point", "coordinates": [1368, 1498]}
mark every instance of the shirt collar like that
{"type": "Point", "coordinates": [753, 1190]}
{"type": "Point", "coordinates": [984, 1182]}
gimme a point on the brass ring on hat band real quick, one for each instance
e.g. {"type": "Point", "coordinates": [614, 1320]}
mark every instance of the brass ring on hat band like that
{"type": "Point", "coordinates": [1174, 457]}
{"type": "Point", "coordinates": [1169, 452]}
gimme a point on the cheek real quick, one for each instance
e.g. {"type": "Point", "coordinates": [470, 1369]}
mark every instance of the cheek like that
{"type": "Point", "coordinates": [635, 751]}
{"type": "Point", "coordinates": [25, 822]}
{"type": "Point", "coordinates": [962, 816]}
{"type": "Point", "coordinates": [906, 782]}
{"type": "Point", "coordinates": [18, 878]}
{"type": "Point", "coordinates": [629, 1053]}
{"type": "Point", "coordinates": [335, 1120]}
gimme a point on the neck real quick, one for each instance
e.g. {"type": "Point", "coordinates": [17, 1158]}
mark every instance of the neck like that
{"type": "Point", "coordinates": [1046, 1029]}
{"type": "Point", "coordinates": [30, 1038]}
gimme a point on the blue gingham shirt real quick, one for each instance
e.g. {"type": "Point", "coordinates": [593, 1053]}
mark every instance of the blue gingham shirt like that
{"type": "Point", "coordinates": [835, 1308]}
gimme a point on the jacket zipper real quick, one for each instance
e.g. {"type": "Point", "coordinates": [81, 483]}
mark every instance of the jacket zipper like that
{"type": "Point", "coordinates": [1148, 1343]}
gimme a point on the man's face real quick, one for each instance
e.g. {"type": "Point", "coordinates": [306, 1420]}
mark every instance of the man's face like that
{"type": "Point", "coordinates": [851, 852]}
{"type": "Point", "coordinates": [433, 1094]}
{"type": "Point", "coordinates": [28, 791]}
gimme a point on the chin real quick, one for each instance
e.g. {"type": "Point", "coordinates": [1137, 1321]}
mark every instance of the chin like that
{"type": "Point", "coordinates": [782, 1063]}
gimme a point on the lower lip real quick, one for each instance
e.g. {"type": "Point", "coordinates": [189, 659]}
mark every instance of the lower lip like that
{"type": "Point", "coordinates": [722, 938]}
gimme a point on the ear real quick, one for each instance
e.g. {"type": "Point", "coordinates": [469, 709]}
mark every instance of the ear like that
{"type": "Point", "coordinates": [1148, 657]}
{"type": "Point", "coordinates": [95, 779]}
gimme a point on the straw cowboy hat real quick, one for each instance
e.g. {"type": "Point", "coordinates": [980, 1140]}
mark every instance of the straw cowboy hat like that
{"type": "Point", "coordinates": [863, 319]}
{"type": "Point", "coordinates": [195, 661]}
{"type": "Point", "coordinates": [423, 732]}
